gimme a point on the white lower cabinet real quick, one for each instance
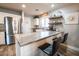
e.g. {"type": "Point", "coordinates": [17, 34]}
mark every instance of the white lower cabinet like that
{"type": "Point", "coordinates": [32, 49]}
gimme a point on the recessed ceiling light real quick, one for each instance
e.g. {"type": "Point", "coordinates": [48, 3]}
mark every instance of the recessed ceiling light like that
{"type": "Point", "coordinates": [36, 9]}
{"type": "Point", "coordinates": [23, 5]}
{"type": "Point", "coordinates": [52, 5]}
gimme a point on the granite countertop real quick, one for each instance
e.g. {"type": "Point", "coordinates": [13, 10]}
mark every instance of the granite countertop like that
{"type": "Point", "coordinates": [24, 39]}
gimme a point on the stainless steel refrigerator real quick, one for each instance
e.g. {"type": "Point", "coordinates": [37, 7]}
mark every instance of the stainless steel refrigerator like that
{"type": "Point", "coordinates": [9, 36]}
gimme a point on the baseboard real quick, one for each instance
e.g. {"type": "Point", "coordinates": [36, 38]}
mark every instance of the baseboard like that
{"type": "Point", "coordinates": [72, 47]}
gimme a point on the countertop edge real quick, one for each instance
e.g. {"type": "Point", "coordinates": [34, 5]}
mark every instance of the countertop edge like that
{"type": "Point", "coordinates": [38, 40]}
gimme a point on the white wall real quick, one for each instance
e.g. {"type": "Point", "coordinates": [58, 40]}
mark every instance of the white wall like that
{"type": "Point", "coordinates": [72, 29]}
{"type": "Point", "coordinates": [26, 25]}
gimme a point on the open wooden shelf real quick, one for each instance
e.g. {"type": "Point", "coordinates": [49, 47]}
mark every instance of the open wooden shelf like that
{"type": "Point", "coordinates": [55, 17]}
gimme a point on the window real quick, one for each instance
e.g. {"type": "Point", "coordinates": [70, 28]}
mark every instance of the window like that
{"type": "Point", "coordinates": [37, 21]}
{"type": "Point", "coordinates": [44, 22]}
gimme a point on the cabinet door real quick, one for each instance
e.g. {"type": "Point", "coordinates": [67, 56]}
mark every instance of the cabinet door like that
{"type": "Point", "coordinates": [2, 38]}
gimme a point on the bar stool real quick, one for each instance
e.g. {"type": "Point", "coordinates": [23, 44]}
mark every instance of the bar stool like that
{"type": "Point", "coordinates": [64, 38]}
{"type": "Point", "coordinates": [49, 49]}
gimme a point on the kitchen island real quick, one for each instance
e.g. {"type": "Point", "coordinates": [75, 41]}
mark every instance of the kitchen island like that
{"type": "Point", "coordinates": [27, 45]}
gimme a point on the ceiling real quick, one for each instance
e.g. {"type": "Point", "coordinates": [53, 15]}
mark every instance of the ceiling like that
{"type": "Point", "coordinates": [30, 7]}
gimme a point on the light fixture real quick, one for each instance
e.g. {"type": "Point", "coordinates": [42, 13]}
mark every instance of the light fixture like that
{"type": "Point", "coordinates": [23, 5]}
{"type": "Point", "coordinates": [36, 9]}
{"type": "Point", "coordinates": [52, 5]}
{"type": "Point", "coordinates": [44, 13]}
{"type": "Point", "coordinates": [41, 12]}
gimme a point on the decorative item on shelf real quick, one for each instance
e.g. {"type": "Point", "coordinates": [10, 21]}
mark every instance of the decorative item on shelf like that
{"type": "Point", "coordinates": [55, 22]}
{"type": "Point", "coordinates": [55, 17]}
